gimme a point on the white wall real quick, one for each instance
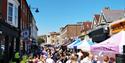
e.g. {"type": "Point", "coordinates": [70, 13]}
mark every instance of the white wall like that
{"type": "Point", "coordinates": [48, 39]}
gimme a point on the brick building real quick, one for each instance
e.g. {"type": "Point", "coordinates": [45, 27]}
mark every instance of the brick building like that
{"type": "Point", "coordinates": [15, 23]}
{"type": "Point", "coordinates": [27, 26]}
{"type": "Point", "coordinates": [86, 26]}
{"type": "Point", "coordinates": [70, 31]}
{"type": "Point", "coordinates": [9, 29]}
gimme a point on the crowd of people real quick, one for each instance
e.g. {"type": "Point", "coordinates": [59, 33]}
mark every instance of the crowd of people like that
{"type": "Point", "coordinates": [58, 55]}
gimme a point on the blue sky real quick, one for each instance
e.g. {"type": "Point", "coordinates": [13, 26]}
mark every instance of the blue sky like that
{"type": "Point", "coordinates": [58, 13]}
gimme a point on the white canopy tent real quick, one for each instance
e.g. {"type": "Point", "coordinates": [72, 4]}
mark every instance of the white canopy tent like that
{"type": "Point", "coordinates": [114, 43]}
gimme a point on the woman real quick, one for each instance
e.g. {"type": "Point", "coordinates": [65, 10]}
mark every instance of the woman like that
{"type": "Point", "coordinates": [105, 59]}
{"type": "Point", "coordinates": [73, 59]}
{"type": "Point", "coordinates": [95, 59]}
{"type": "Point", "coordinates": [112, 60]}
{"type": "Point", "coordinates": [87, 58]}
{"type": "Point", "coordinates": [42, 59]}
{"type": "Point", "coordinates": [49, 59]}
{"type": "Point", "coordinates": [35, 59]}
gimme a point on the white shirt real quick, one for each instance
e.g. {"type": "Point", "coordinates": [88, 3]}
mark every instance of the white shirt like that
{"type": "Point", "coordinates": [49, 60]}
{"type": "Point", "coordinates": [86, 60]}
{"type": "Point", "coordinates": [69, 61]}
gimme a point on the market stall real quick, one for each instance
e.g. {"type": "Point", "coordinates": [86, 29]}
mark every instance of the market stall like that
{"type": "Point", "coordinates": [72, 44]}
{"type": "Point", "coordinates": [112, 45]}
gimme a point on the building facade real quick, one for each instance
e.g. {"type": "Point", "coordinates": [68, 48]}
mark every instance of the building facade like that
{"type": "Point", "coordinates": [9, 29]}
{"type": "Point", "coordinates": [48, 39]}
{"type": "Point", "coordinates": [86, 26]}
{"type": "Point", "coordinates": [70, 31]}
{"type": "Point", "coordinates": [27, 26]}
{"type": "Point", "coordinates": [95, 21]}
{"type": "Point", "coordinates": [33, 31]}
{"type": "Point", "coordinates": [106, 17]}
{"type": "Point", "coordinates": [54, 37]}
{"type": "Point", "coordinates": [44, 37]}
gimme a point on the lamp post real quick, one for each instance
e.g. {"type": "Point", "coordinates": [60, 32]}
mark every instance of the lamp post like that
{"type": "Point", "coordinates": [34, 8]}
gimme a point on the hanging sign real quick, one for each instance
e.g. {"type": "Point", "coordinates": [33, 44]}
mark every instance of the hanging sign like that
{"type": "Point", "coordinates": [117, 26]}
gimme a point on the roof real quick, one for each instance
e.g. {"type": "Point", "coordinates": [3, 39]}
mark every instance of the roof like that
{"type": "Point", "coordinates": [87, 25]}
{"type": "Point", "coordinates": [70, 25]}
{"type": "Point", "coordinates": [97, 16]}
{"type": "Point", "coordinates": [54, 33]}
{"type": "Point", "coordinates": [113, 15]}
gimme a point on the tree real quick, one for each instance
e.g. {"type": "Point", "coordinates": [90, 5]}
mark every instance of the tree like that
{"type": "Point", "coordinates": [40, 40]}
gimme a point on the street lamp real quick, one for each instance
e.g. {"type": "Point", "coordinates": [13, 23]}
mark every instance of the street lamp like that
{"type": "Point", "coordinates": [36, 9]}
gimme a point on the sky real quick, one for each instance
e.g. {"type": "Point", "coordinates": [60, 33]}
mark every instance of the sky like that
{"type": "Point", "coordinates": [55, 14]}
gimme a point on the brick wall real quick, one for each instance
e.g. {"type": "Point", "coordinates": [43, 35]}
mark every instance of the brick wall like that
{"type": "Point", "coordinates": [4, 9]}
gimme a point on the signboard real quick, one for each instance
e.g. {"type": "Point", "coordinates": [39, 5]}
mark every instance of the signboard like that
{"type": "Point", "coordinates": [117, 26]}
{"type": "Point", "coordinates": [25, 34]}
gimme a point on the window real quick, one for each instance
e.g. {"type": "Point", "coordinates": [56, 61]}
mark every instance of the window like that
{"type": "Point", "coordinates": [16, 16]}
{"type": "Point", "coordinates": [10, 12]}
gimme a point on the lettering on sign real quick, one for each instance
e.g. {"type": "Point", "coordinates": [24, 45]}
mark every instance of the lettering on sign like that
{"type": "Point", "coordinates": [104, 49]}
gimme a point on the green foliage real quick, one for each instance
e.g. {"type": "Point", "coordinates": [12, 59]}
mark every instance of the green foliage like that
{"type": "Point", "coordinates": [40, 40]}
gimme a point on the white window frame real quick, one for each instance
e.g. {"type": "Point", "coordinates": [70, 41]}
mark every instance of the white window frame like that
{"type": "Point", "coordinates": [14, 21]}
{"type": "Point", "coordinates": [10, 21]}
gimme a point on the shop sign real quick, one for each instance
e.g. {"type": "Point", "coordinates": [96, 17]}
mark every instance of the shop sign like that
{"type": "Point", "coordinates": [25, 34]}
{"type": "Point", "coordinates": [117, 26]}
{"type": "Point", "coordinates": [104, 49]}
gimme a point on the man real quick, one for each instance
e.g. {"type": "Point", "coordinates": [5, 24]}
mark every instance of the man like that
{"type": "Point", "coordinates": [49, 59]}
{"type": "Point", "coordinates": [17, 57]}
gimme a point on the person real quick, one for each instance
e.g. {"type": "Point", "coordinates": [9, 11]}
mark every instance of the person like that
{"type": "Point", "coordinates": [79, 54]}
{"type": "Point", "coordinates": [17, 57]}
{"type": "Point", "coordinates": [105, 59]}
{"type": "Point", "coordinates": [87, 58]}
{"type": "Point", "coordinates": [24, 59]}
{"type": "Point", "coordinates": [95, 59]}
{"type": "Point", "coordinates": [63, 57]}
{"type": "Point", "coordinates": [35, 59]}
{"type": "Point", "coordinates": [42, 59]}
{"type": "Point", "coordinates": [49, 59]}
{"type": "Point", "coordinates": [112, 60]}
{"type": "Point", "coordinates": [73, 59]}
{"type": "Point", "coordinates": [56, 55]}
{"type": "Point", "coordinates": [30, 59]}
{"type": "Point", "coordinates": [44, 52]}
{"type": "Point", "coordinates": [59, 61]}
